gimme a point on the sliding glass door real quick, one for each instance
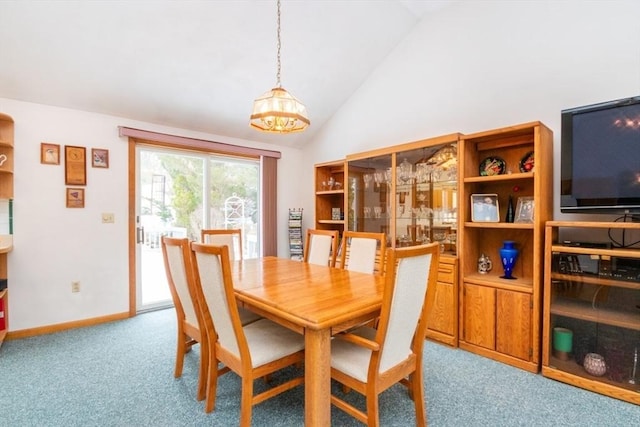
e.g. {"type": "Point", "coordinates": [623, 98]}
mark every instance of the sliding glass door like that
{"type": "Point", "coordinates": [180, 192]}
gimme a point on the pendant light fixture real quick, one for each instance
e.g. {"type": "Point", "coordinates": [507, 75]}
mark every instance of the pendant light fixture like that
{"type": "Point", "coordinates": [277, 111]}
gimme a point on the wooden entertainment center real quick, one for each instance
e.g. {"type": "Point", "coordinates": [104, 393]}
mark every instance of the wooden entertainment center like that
{"type": "Point", "coordinates": [479, 308]}
{"type": "Point", "coordinates": [592, 293]}
{"type": "Point", "coordinates": [402, 191]}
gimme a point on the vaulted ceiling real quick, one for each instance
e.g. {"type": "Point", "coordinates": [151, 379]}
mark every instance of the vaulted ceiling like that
{"type": "Point", "coordinates": [197, 65]}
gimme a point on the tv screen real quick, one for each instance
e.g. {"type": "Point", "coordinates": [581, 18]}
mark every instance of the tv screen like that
{"type": "Point", "coordinates": [600, 158]}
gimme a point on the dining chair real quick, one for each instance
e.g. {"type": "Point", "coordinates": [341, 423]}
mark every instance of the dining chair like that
{"type": "Point", "coordinates": [370, 360]}
{"type": "Point", "coordinates": [363, 251]}
{"type": "Point", "coordinates": [321, 247]}
{"type": "Point", "coordinates": [220, 237]}
{"type": "Point", "coordinates": [178, 266]}
{"type": "Point", "coordinates": [251, 351]}
{"type": "Point", "coordinates": [233, 239]}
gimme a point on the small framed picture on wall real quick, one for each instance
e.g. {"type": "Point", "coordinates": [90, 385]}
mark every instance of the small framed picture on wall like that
{"type": "Point", "coordinates": [49, 154]}
{"type": "Point", "coordinates": [75, 165]}
{"type": "Point", "coordinates": [99, 158]}
{"type": "Point", "coordinates": [75, 197]}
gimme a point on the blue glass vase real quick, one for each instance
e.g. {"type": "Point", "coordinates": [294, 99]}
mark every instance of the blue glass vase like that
{"type": "Point", "coordinates": [508, 256]}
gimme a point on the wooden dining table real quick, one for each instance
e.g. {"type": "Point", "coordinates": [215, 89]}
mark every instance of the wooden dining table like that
{"type": "Point", "coordinates": [314, 300]}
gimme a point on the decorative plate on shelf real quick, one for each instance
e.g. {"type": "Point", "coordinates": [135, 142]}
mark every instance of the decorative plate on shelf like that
{"type": "Point", "coordinates": [492, 166]}
{"type": "Point", "coordinates": [527, 163]}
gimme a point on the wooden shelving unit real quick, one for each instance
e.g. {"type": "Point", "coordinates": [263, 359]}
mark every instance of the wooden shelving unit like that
{"type": "Point", "coordinates": [328, 177]}
{"type": "Point", "coordinates": [596, 298]}
{"type": "Point", "coordinates": [6, 194]}
{"type": "Point", "coordinates": [501, 318]}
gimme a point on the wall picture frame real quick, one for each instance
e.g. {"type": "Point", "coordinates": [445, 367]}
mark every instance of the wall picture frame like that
{"type": "Point", "coordinates": [75, 165]}
{"type": "Point", "coordinates": [75, 197]}
{"type": "Point", "coordinates": [49, 153]}
{"type": "Point", "coordinates": [485, 208]}
{"type": "Point", "coordinates": [524, 210]}
{"type": "Point", "coordinates": [99, 158]}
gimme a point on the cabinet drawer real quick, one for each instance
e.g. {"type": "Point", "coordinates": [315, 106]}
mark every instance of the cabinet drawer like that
{"type": "Point", "coordinates": [446, 273]}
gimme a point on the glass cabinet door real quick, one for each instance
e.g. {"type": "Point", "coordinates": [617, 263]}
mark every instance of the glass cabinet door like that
{"type": "Point", "coordinates": [369, 195]}
{"type": "Point", "coordinates": [410, 195]}
{"type": "Point", "coordinates": [426, 196]}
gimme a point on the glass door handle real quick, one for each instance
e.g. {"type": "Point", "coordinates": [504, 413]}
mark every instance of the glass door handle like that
{"type": "Point", "coordinates": [139, 234]}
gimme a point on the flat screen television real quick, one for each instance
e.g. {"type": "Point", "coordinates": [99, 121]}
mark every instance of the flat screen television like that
{"type": "Point", "coordinates": [600, 158]}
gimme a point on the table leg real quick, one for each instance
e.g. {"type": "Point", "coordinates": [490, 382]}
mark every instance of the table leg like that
{"type": "Point", "coordinates": [317, 378]}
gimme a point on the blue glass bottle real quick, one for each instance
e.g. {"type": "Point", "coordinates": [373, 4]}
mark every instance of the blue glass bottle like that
{"type": "Point", "coordinates": [508, 256]}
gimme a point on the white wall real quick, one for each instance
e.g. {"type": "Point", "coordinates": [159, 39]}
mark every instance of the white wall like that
{"type": "Point", "coordinates": [480, 65]}
{"type": "Point", "coordinates": [54, 246]}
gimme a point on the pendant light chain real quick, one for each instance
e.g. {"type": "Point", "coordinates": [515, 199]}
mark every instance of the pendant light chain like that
{"type": "Point", "coordinates": [279, 46]}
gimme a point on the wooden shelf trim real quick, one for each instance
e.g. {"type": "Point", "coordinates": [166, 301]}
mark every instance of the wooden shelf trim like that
{"type": "Point", "coordinates": [596, 280]}
{"type": "Point", "coordinates": [570, 370]}
{"type": "Point", "coordinates": [503, 177]}
{"type": "Point", "coordinates": [584, 311]}
{"type": "Point", "coordinates": [624, 253]}
{"type": "Point", "coordinates": [325, 192]}
{"type": "Point", "coordinates": [524, 285]}
{"type": "Point", "coordinates": [6, 143]}
{"type": "Point", "coordinates": [501, 225]}
{"type": "Point", "coordinates": [331, 221]}
{"type": "Point", "coordinates": [593, 224]}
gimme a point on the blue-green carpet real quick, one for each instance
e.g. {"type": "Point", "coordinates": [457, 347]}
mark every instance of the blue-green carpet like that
{"type": "Point", "coordinates": [121, 374]}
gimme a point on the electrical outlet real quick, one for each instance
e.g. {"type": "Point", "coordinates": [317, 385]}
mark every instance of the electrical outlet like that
{"type": "Point", "coordinates": [108, 218]}
{"type": "Point", "coordinates": [75, 287]}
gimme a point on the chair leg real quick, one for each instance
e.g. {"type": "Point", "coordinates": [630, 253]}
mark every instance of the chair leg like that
{"type": "Point", "coordinates": [203, 374]}
{"type": "Point", "coordinates": [373, 414]}
{"type": "Point", "coordinates": [417, 394]}
{"type": "Point", "coordinates": [180, 352]}
{"type": "Point", "coordinates": [211, 383]}
{"type": "Point", "coordinates": [246, 401]}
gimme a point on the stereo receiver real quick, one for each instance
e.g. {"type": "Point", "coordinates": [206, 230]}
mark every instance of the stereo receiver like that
{"type": "Point", "coordinates": [618, 268]}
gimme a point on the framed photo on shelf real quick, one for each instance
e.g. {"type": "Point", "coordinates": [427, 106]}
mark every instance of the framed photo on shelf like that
{"type": "Point", "coordinates": [75, 165]}
{"type": "Point", "coordinates": [484, 208]}
{"type": "Point", "coordinates": [524, 210]}
{"type": "Point", "coordinates": [99, 158]}
{"type": "Point", "coordinates": [75, 197]}
{"type": "Point", "coordinates": [49, 154]}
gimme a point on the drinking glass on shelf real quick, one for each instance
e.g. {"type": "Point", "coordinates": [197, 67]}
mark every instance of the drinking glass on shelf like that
{"type": "Point", "coordinates": [440, 236]}
{"type": "Point", "coordinates": [367, 180]}
{"type": "Point", "coordinates": [379, 178]}
{"type": "Point", "coordinates": [425, 211]}
{"type": "Point", "coordinates": [387, 176]}
{"type": "Point", "coordinates": [367, 211]}
{"type": "Point", "coordinates": [377, 211]}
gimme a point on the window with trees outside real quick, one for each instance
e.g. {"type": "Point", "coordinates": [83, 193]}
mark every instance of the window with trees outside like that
{"type": "Point", "coordinates": [183, 193]}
